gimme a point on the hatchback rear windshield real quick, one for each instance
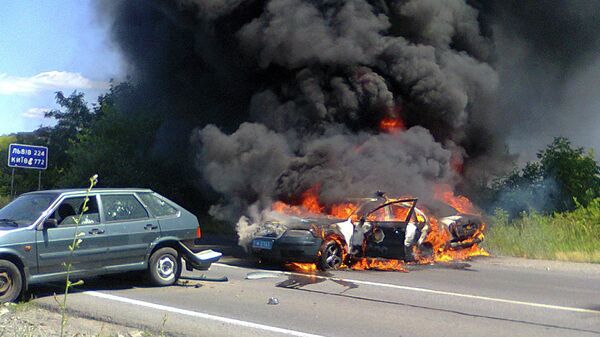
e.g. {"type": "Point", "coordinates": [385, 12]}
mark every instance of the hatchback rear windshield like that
{"type": "Point", "coordinates": [24, 210]}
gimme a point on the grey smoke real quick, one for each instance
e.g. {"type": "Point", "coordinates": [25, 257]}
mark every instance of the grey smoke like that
{"type": "Point", "coordinates": [548, 62]}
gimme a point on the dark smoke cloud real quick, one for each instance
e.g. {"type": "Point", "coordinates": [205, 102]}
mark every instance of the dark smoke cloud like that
{"type": "Point", "coordinates": [287, 94]}
{"type": "Point", "coordinates": [548, 60]}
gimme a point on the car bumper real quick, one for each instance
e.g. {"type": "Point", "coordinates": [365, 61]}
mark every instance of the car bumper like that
{"type": "Point", "coordinates": [201, 260]}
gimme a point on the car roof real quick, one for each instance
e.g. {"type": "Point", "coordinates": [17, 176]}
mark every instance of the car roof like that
{"type": "Point", "coordinates": [95, 190]}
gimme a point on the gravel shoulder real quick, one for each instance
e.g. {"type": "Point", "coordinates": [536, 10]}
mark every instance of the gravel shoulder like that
{"type": "Point", "coordinates": [28, 319]}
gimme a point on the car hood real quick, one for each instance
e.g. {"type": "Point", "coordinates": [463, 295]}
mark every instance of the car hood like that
{"type": "Point", "coordinates": [8, 231]}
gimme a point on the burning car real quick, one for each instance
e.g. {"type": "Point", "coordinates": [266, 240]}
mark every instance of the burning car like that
{"type": "Point", "coordinates": [375, 228]}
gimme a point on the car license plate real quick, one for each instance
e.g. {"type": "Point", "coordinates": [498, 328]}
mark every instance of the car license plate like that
{"type": "Point", "coordinates": [262, 243]}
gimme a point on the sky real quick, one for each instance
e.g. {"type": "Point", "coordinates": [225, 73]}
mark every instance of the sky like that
{"type": "Point", "coordinates": [49, 46]}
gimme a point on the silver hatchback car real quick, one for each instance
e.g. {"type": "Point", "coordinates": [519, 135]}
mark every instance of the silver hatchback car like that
{"type": "Point", "coordinates": [121, 230]}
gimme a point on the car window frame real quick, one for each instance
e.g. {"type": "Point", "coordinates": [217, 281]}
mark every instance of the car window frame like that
{"type": "Point", "coordinates": [104, 220]}
{"type": "Point", "coordinates": [59, 201]}
{"type": "Point", "coordinates": [167, 201]}
{"type": "Point", "coordinates": [388, 203]}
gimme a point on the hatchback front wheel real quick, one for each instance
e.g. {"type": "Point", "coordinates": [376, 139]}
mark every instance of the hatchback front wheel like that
{"type": "Point", "coordinates": [11, 282]}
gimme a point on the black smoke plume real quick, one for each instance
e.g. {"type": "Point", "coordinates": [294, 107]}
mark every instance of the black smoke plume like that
{"type": "Point", "coordinates": [278, 96]}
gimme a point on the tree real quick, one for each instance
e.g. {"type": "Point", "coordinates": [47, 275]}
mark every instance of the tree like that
{"type": "Point", "coordinates": [563, 177]}
{"type": "Point", "coordinates": [118, 145]}
{"type": "Point", "coordinates": [575, 172]}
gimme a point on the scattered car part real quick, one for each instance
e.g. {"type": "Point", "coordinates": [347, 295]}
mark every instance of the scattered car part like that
{"type": "Point", "coordinates": [201, 260]}
{"type": "Point", "coordinates": [257, 275]}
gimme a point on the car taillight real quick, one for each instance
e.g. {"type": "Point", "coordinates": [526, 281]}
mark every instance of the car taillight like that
{"type": "Point", "coordinates": [198, 233]}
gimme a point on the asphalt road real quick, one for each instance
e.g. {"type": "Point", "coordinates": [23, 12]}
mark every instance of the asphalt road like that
{"type": "Point", "coordinates": [486, 297]}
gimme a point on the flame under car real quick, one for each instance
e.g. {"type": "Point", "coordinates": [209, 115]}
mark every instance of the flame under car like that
{"type": "Point", "coordinates": [376, 229]}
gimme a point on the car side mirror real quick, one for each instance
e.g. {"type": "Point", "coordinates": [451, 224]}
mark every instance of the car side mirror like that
{"type": "Point", "coordinates": [50, 223]}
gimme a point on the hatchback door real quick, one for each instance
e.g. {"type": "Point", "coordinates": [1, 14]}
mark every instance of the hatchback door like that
{"type": "Point", "coordinates": [53, 243]}
{"type": "Point", "coordinates": [129, 229]}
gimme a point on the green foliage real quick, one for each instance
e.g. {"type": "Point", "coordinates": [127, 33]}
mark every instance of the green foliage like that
{"type": "Point", "coordinates": [117, 138]}
{"type": "Point", "coordinates": [121, 146]}
{"type": "Point", "coordinates": [118, 145]}
{"type": "Point", "coordinates": [562, 177]}
{"type": "Point", "coordinates": [5, 141]}
{"type": "Point", "coordinates": [576, 173]}
{"type": "Point", "coordinates": [573, 236]}
{"type": "Point", "coordinates": [73, 118]}
{"type": "Point", "coordinates": [4, 200]}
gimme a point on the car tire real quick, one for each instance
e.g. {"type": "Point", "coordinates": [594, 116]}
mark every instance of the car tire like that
{"type": "Point", "coordinates": [11, 282]}
{"type": "Point", "coordinates": [164, 267]}
{"type": "Point", "coordinates": [331, 255]}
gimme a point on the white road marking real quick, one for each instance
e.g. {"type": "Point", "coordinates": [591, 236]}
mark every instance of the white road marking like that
{"type": "Point", "coordinates": [196, 314]}
{"type": "Point", "coordinates": [431, 291]}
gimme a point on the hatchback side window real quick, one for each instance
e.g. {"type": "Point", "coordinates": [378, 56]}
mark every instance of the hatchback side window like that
{"type": "Point", "coordinates": [157, 205]}
{"type": "Point", "coordinates": [67, 213]}
{"type": "Point", "coordinates": [122, 207]}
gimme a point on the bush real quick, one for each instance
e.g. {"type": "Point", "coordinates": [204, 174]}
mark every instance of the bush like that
{"type": "Point", "coordinates": [4, 199]}
{"type": "Point", "coordinates": [562, 177]}
{"type": "Point", "coordinates": [571, 236]}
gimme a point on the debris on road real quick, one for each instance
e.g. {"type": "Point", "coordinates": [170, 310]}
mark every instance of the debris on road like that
{"type": "Point", "coordinates": [257, 275]}
{"type": "Point", "coordinates": [205, 278]}
{"type": "Point", "coordinates": [273, 301]}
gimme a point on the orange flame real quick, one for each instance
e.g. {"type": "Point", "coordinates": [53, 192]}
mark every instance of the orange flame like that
{"type": "Point", "coordinates": [391, 124]}
{"type": "Point", "coordinates": [306, 268]}
{"type": "Point", "coordinates": [309, 205]}
{"type": "Point", "coordinates": [460, 203]}
{"type": "Point", "coordinates": [366, 263]}
{"type": "Point", "coordinates": [439, 237]}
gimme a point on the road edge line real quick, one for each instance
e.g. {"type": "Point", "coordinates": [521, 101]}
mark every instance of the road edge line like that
{"type": "Point", "coordinates": [231, 321]}
{"type": "Point", "coordinates": [431, 291]}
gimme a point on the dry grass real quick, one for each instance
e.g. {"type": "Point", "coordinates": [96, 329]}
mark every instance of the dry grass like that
{"type": "Point", "coordinates": [570, 236]}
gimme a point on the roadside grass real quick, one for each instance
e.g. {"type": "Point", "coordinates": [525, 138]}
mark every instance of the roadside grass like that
{"type": "Point", "coordinates": [570, 236]}
{"type": "Point", "coordinates": [19, 307]}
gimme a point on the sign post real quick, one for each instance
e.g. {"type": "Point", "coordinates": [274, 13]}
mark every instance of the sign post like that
{"type": "Point", "coordinates": [12, 183]}
{"type": "Point", "coordinates": [28, 157]}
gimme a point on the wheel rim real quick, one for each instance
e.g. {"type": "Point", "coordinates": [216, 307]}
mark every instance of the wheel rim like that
{"type": "Point", "coordinates": [333, 257]}
{"type": "Point", "coordinates": [166, 267]}
{"type": "Point", "coordinates": [5, 283]}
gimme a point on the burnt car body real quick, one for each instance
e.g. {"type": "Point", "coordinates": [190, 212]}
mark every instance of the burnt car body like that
{"type": "Point", "coordinates": [376, 229]}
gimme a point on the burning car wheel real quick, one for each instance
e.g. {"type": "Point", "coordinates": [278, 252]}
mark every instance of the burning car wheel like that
{"type": "Point", "coordinates": [11, 281]}
{"type": "Point", "coordinates": [331, 255]}
{"type": "Point", "coordinates": [164, 267]}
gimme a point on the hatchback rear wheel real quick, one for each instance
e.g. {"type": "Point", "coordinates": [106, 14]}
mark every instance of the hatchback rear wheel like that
{"type": "Point", "coordinates": [164, 267]}
{"type": "Point", "coordinates": [11, 281]}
